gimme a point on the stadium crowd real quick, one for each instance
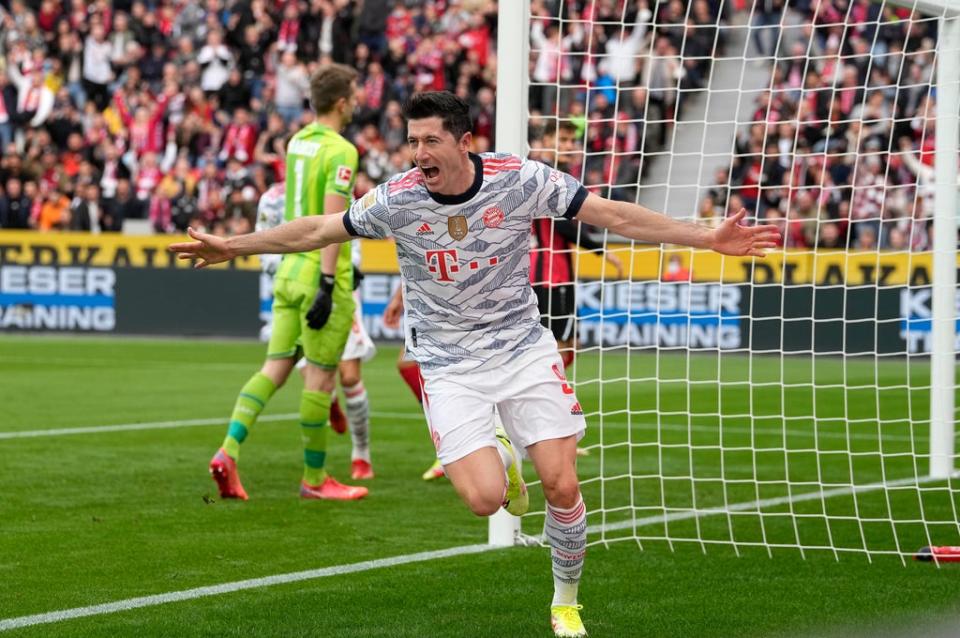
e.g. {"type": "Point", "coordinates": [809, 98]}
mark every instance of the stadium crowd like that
{"type": "Point", "coordinates": [840, 150]}
{"type": "Point", "coordinates": [175, 112]}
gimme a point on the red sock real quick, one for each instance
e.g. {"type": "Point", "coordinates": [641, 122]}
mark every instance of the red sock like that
{"type": "Point", "coordinates": [411, 374]}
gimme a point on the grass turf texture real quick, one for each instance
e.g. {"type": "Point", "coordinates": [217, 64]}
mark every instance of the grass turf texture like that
{"type": "Point", "coordinates": [95, 518]}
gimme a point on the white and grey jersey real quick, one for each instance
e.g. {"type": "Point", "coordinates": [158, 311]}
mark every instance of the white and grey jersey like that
{"type": "Point", "coordinates": [270, 211]}
{"type": "Point", "coordinates": [465, 259]}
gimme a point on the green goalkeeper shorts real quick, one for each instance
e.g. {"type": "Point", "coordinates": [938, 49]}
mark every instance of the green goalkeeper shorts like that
{"type": "Point", "coordinates": [324, 347]}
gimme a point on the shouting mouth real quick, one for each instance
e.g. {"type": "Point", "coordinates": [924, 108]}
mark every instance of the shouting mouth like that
{"type": "Point", "coordinates": [430, 172]}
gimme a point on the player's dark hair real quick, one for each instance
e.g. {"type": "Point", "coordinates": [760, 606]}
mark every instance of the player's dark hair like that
{"type": "Point", "coordinates": [328, 84]}
{"type": "Point", "coordinates": [453, 111]}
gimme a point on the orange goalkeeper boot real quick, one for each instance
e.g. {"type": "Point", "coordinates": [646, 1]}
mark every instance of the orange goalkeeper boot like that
{"type": "Point", "coordinates": [223, 469]}
{"type": "Point", "coordinates": [332, 490]}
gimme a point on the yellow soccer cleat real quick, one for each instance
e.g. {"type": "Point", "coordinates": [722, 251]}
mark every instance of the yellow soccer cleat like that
{"type": "Point", "coordinates": [434, 472]}
{"type": "Point", "coordinates": [517, 501]}
{"type": "Point", "coordinates": [565, 620]}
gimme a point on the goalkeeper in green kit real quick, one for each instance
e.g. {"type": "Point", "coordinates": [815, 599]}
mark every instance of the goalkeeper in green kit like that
{"type": "Point", "coordinates": [313, 302]}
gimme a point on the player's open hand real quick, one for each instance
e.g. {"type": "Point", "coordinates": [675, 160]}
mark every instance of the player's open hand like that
{"type": "Point", "coordinates": [207, 249]}
{"type": "Point", "coordinates": [730, 238]}
{"type": "Point", "coordinates": [393, 313]}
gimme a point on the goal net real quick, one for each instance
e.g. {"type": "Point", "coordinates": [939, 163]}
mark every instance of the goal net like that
{"type": "Point", "coordinates": [782, 403]}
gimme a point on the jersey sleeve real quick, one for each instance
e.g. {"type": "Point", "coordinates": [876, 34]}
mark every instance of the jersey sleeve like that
{"type": "Point", "coordinates": [369, 216]}
{"type": "Point", "coordinates": [556, 193]}
{"type": "Point", "coordinates": [341, 171]}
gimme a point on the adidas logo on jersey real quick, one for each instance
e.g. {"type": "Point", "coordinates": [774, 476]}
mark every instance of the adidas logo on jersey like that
{"type": "Point", "coordinates": [424, 230]}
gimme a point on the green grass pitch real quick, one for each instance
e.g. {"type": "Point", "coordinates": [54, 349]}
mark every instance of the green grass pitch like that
{"type": "Point", "coordinates": [99, 517]}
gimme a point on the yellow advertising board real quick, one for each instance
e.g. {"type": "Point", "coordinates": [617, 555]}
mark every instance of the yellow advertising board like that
{"type": "Point", "coordinates": [101, 250]}
{"type": "Point", "coordinates": [643, 263]}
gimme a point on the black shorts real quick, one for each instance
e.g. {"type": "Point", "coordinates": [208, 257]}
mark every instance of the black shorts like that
{"type": "Point", "coordinates": [558, 308]}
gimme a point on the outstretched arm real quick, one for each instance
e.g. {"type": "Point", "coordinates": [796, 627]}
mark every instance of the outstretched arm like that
{"type": "Point", "coordinates": [297, 236]}
{"type": "Point", "coordinates": [636, 222]}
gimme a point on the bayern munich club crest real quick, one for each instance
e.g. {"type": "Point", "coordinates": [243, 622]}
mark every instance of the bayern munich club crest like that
{"type": "Point", "coordinates": [493, 217]}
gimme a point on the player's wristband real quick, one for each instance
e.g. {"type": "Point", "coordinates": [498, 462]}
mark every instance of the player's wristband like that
{"type": "Point", "coordinates": [327, 282]}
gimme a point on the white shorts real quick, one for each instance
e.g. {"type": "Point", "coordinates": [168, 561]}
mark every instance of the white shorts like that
{"type": "Point", "coordinates": [530, 393]}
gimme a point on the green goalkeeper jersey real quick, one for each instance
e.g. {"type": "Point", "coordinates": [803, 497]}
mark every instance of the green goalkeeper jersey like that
{"type": "Point", "coordinates": [320, 162]}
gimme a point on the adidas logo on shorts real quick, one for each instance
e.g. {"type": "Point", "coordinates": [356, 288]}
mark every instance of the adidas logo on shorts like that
{"type": "Point", "coordinates": [576, 410]}
{"type": "Point", "coordinates": [424, 230]}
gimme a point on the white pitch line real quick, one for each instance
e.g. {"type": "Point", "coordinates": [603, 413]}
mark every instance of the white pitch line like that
{"type": "Point", "coordinates": [132, 427]}
{"type": "Point", "coordinates": [407, 416]}
{"type": "Point", "coordinates": [225, 588]}
{"type": "Point", "coordinates": [758, 504]}
{"type": "Point", "coordinates": [123, 363]}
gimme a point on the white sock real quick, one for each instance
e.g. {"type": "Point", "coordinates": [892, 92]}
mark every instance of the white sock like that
{"type": "Point", "coordinates": [358, 416]}
{"type": "Point", "coordinates": [566, 531]}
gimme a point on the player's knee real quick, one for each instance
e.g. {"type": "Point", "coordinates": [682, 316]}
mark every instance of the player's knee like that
{"type": "Point", "coordinates": [482, 502]}
{"type": "Point", "coordinates": [317, 379]}
{"type": "Point", "coordinates": [562, 491]}
{"type": "Point", "coordinates": [277, 370]}
{"type": "Point", "coordinates": [349, 380]}
{"type": "Point", "coordinates": [484, 505]}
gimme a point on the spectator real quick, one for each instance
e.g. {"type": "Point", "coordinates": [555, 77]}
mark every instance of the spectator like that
{"type": "Point", "coordinates": [34, 97]}
{"type": "Point", "coordinates": [239, 139]}
{"type": "Point", "coordinates": [85, 213]}
{"type": "Point", "coordinates": [235, 93]}
{"type": "Point", "coordinates": [97, 71]}
{"type": "Point", "coordinates": [121, 207]}
{"type": "Point", "coordinates": [8, 110]}
{"type": "Point", "coordinates": [14, 206]}
{"type": "Point", "coordinates": [52, 210]}
{"type": "Point", "coordinates": [293, 84]}
{"type": "Point", "coordinates": [215, 60]}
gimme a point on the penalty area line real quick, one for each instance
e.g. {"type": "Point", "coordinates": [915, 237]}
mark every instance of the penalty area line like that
{"type": "Point", "coordinates": [225, 588]}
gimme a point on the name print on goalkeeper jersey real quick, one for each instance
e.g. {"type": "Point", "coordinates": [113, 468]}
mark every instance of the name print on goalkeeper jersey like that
{"type": "Point", "coordinates": [465, 259]}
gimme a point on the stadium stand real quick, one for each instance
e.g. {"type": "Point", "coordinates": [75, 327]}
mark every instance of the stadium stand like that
{"type": "Point", "coordinates": [113, 114]}
{"type": "Point", "coordinates": [840, 149]}
{"type": "Point", "coordinates": [171, 113]}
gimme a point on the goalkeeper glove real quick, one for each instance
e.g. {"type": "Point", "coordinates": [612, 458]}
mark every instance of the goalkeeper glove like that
{"type": "Point", "coordinates": [319, 312]}
{"type": "Point", "coordinates": [357, 277]}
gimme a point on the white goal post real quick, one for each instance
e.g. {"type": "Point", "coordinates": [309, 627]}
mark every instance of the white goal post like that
{"type": "Point", "coordinates": [806, 402]}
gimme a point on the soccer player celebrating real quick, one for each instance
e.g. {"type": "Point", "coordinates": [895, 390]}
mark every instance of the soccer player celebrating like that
{"type": "Point", "coordinates": [313, 303]}
{"type": "Point", "coordinates": [462, 225]}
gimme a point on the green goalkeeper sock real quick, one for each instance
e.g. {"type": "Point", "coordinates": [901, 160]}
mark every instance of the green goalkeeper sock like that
{"type": "Point", "coordinates": [314, 411]}
{"type": "Point", "coordinates": [251, 400]}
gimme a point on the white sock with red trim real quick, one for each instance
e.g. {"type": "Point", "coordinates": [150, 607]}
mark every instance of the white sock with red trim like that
{"type": "Point", "coordinates": [358, 416]}
{"type": "Point", "coordinates": [566, 531]}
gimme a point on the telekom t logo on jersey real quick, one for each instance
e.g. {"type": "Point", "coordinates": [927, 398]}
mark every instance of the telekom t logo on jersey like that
{"type": "Point", "coordinates": [445, 262]}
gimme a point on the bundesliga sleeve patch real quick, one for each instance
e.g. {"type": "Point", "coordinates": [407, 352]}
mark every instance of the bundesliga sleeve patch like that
{"type": "Point", "coordinates": [344, 173]}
